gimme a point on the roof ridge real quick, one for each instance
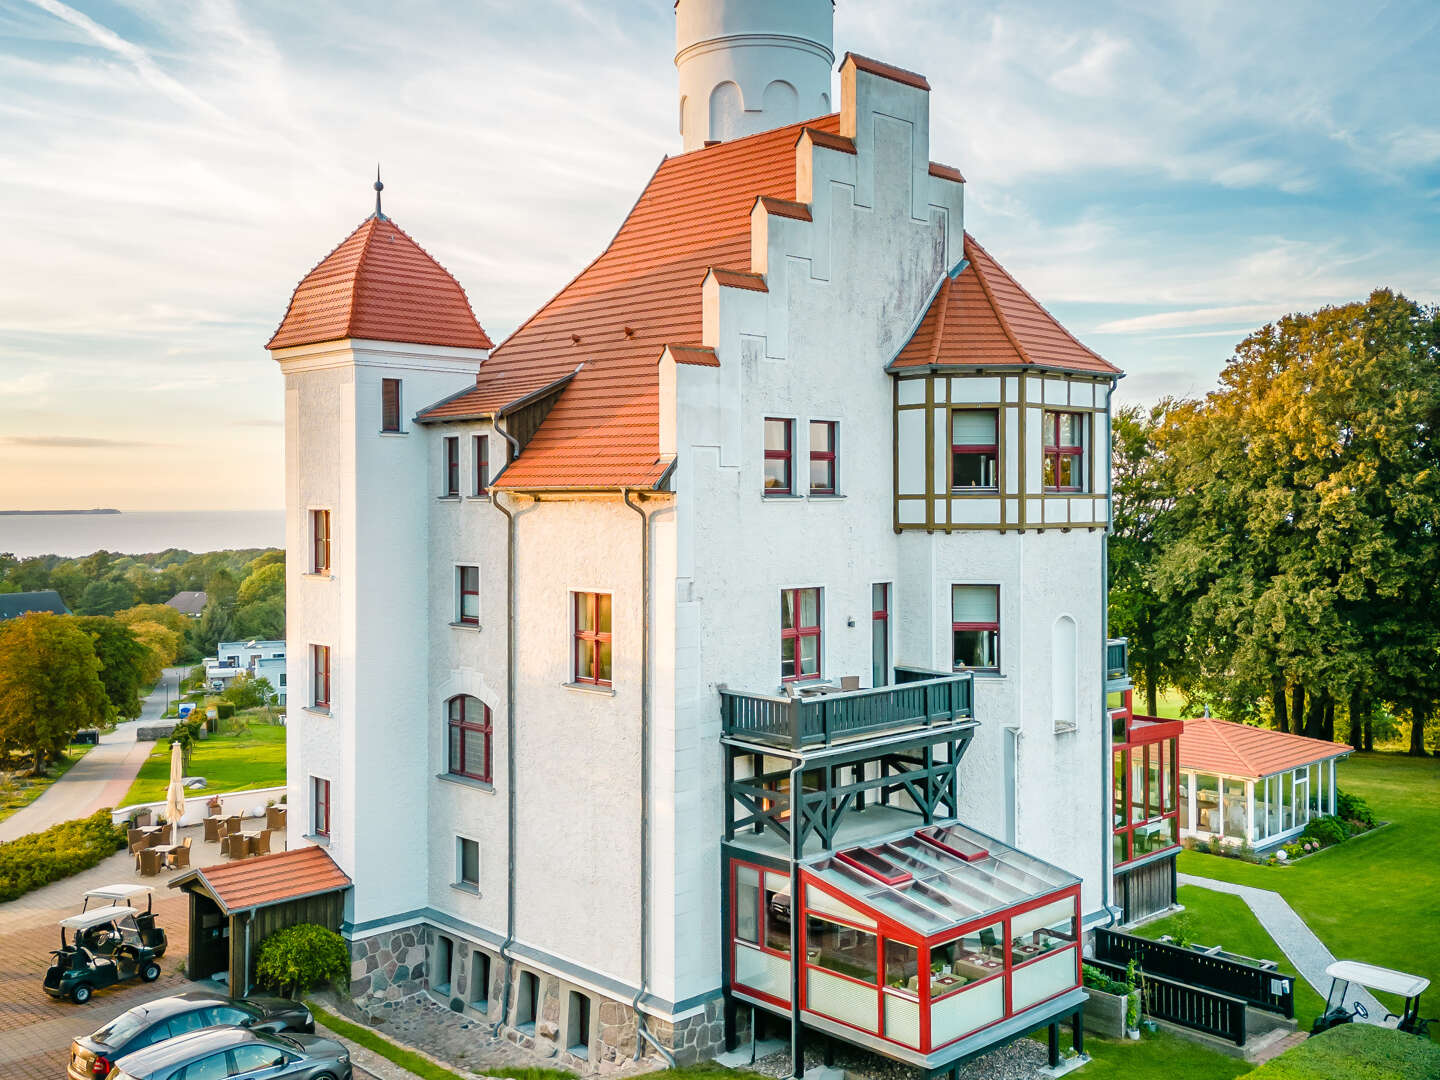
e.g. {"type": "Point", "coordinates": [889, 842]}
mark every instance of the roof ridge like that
{"type": "Point", "coordinates": [373, 221]}
{"type": "Point", "coordinates": [742, 139]}
{"type": "Point", "coordinates": [994, 307]}
{"type": "Point", "coordinates": [939, 330]}
{"type": "Point", "coordinates": [439, 265]}
{"type": "Point", "coordinates": [290, 304]}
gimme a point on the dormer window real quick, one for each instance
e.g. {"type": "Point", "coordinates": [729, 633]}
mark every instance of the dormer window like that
{"type": "Point", "coordinates": [1064, 438]}
{"type": "Point", "coordinates": [974, 449]}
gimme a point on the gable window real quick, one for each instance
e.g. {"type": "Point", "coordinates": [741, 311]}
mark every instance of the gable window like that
{"type": "Point", "coordinates": [320, 541]}
{"type": "Point", "coordinates": [778, 453]}
{"type": "Point", "coordinates": [389, 404]}
{"type": "Point", "coordinates": [799, 634]}
{"type": "Point", "coordinates": [880, 634]}
{"type": "Point", "coordinates": [469, 731]}
{"type": "Point", "coordinates": [467, 589]}
{"type": "Point", "coordinates": [482, 464]}
{"type": "Point", "coordinates": [592, 638]}
{"type": "Point", "coordinates": [822, 457]}
{"type": "Point", "coordinates": [320, 676]}
{"type": "Point", "coordinates": [974, 449]}
{"type": "Point", "coordinates": [1064, 451]}
{"type": "Point", "coordinates": [467, 862]}
{"type": "Point", "coordinates": [319, 807]}
{"type": "Point", "coordinates": [452, 465]}
{"type": "Point", "coordinates": [975, 624]}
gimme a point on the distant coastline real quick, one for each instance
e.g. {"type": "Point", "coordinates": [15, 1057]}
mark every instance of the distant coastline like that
{"type": "Point", "coordinates": [45, 513]}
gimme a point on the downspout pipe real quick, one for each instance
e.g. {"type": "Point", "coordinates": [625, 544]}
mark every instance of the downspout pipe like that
{"type": "Point", "coordinates": [510, 756]}
{"type": "Point", "coordinates": [643, 1032]}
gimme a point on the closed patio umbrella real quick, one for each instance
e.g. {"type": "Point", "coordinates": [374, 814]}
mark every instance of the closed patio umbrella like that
{"type": "Point", "coordinates": [175, 795]}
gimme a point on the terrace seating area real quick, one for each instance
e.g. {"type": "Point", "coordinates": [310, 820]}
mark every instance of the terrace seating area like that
{"type": "Point", "coordinates": [157, 849]}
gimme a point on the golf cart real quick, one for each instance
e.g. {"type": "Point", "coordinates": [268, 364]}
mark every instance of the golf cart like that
{"type": "Point", "coordinates": [105, 949]}
{"type": "Point", "coordinates": [128, 896]}
{"type": "Point", "coordinates": [1344, 972]}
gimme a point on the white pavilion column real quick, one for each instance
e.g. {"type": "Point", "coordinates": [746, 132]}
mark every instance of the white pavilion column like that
{"type": "Point", "coordinates": [1250, 811]}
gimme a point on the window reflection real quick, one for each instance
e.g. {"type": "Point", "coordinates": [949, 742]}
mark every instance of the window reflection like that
{"type": "Point", "coordinates": [977, 955]}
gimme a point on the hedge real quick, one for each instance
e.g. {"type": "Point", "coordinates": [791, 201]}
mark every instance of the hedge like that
{"type": "Point", "coordinates": [1355, 1052]}
{"type": "Point", "coordinates": [61, 850]}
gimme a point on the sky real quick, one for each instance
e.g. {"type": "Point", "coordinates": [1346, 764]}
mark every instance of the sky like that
{"type": "Point", "coordinates": [1165, 176]}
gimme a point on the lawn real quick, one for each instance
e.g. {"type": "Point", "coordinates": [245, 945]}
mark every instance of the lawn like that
{"type": "Point", "coordinates": [253, 759]}
{"type": "Point", "coordinates": [1214, 918]}
{"type": "Point", "coordinates": [1375, 897]}
{"type": "Point", "coordinates": [1355, 1052]}
{"type": "Point", "coordinates": [1161, 1056]}
{"type": "Point", "coordinates": [18, 792]}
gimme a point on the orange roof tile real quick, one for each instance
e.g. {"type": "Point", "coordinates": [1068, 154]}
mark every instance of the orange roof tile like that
{"type": "Point", "coordinates": [380, 285]}
{"type": "Point", "coordinates": [693, 215]}
{"type": "Point", "coordinates": [494, 392]}
{"type": "Point", "coordinates": [785, 208]}
{"type": "Point", "coordinates": [982, 317]}
{"type": "Point", "coordinates": [946, 172]}
{"type": "Point", "coordinates": [740, 279]}
{"type": "Point", "coordinates": [1220, 746]}
{"type": "Point", "coordinates": [269, 879]}
{"type": "Point", "coordinates": [691, 354]}
{"type": "Point", "coordinates": [888, 71]}
{"type": "Point", "coordinates": [819, 137]}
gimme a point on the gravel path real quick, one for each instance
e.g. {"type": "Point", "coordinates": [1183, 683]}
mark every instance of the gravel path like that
{"type": "Point", "coordinates": [1021, 1060]}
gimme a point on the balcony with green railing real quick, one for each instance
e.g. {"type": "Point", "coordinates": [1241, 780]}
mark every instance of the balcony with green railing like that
{"type": "Point", "coordinates": [815, 717]}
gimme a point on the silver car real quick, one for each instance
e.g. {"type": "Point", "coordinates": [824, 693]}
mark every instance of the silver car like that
{"type": "Point", "coordinates": [231, 1053]}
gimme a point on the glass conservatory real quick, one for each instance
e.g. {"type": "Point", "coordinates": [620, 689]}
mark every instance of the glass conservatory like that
{"type": "Point", "coordinates": [916, 945]}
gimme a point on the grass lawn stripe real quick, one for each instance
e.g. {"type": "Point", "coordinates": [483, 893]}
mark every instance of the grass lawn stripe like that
{"type": "Point", "coordinates": [255, 759]}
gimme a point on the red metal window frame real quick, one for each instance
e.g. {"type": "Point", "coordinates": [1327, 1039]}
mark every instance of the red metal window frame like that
{"type": "Point", "coordinates": [799, 632]}
{"type": "Point", "coordinates": [320, 670]}
{"type": "Point", "coordinates": [320, 541]}
{"type": "Point", "coordinates": [452, 465]}
{"type": "Point", "coordinates": [591, 602]}
{"type": "Point", "coordinates": [389, 404]}
{"type": "Point", "coordinates": [320, 805]}
{"type": "Point", "coordinates": [882, 615]}
{"type": "Point", "coordinates": [1121, 784]}
{"type": "Point", "coordinates": [761, 926]}
{"type": "Point", "coordinates": [460, 574]}
{"type": "Point", "coordinates": [831, 429]}
{"type": "Point", "coordinates": [482, 464]}
{"type": "Point", "coordinates": [992, 449]}
{"type": "Point", "coordinates": [459, 719]}
{"type": "Point", "coordinates": [1053, 451]}
{"type": "Point", "coordinates": [786, 455]}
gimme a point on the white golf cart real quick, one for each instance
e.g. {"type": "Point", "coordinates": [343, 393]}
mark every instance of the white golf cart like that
{"type": "Point", "coordinates": [128, 895]}
{"type": "Point", "coordinates": [1344, 972]}
{"type": "Point", "coordinates": [104, 949]}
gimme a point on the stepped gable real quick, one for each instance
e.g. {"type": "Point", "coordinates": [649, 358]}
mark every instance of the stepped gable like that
{"type": "Point", "coordinates": [380, 285]}
{"type": "Point", "coordinates": [642, 293]}
{"type": "Point", "coordinates": [983, 317]}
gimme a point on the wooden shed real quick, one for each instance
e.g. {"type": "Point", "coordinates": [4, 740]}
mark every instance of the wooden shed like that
{"type": "Point", "coordinates": [235, 906]}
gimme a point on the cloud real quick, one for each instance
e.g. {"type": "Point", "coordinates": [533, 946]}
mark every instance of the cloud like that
{"type": "Point", "coordinates": [71, 442]}
{"type": "Point", "coordinates": [1166, 320]}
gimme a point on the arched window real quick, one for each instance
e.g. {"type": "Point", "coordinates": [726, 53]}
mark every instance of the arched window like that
{"type": "Point", "coordinates": [1062, 673]}
{"type": "Point", "coordinates": [469, 732]}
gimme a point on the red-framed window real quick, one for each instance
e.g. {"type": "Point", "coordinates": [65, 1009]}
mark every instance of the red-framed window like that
{"type": "Point", "coordinates": [974, 450]}
{"type": "Point", "coordinates": [389, 404]}
{"type": "Point", "coordinates": [779, 456]}
{"type": "Point", "coordinates": [451, 476]}
{"type": "Point", "coordinates": [320, 541]}
{"type": "Point", "coordinates": [880, 634]}
{"type": "Point", "coordinates": [482, 464]}
{"type": "Point", "coordinates": [823, 435]}
{"type": "Point", "coordinates": [1064, 451]}
{"type": "Point", "coordinates": [592, 653]}
{"type": "Point", "coordinates": [467, 594]}
{"type": "Point", "coordinates": [975, 627]}
{"type": "Point", "coordinates": [320, 676]}
{"type": "Point", "coordinates": [319, 806]}
{"type": "Point", "coordinates": [799, 634]}
{"type": "Point", "coordinates": [1145, 786]}
{"type": "Point", "coordinates": [468, 726]}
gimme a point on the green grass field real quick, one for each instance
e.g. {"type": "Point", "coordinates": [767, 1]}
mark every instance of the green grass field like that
{"type": "Point", "coordinates": [18, 792]}
{"type": "Point", "coordinates": [1375, 897]}
{"type": "Point", "coordinates": [1161, 1056]}
{"type": "Point", "coordinates": [255, 759]}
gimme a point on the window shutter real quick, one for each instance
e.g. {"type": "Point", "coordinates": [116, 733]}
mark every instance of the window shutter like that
{"type": "Point", "coordinates": [975, 604]}
{"type": "Point", "coordinates": [973, 427]}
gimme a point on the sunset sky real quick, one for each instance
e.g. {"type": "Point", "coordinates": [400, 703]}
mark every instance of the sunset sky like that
{"type": "Point", "coordinates": [1164, 176]}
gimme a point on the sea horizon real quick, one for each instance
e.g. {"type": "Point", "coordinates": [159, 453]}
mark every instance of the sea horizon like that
{"type": "Point", "coordinates": [72, 533]}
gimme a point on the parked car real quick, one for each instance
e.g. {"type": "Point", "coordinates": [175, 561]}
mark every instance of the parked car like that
{"type": "Point", "coordinates": [106, 948]}
{"type": "Point", "coordinates": [93, 1056]}
{"type": "Point", "coordinates": [219, 1052]}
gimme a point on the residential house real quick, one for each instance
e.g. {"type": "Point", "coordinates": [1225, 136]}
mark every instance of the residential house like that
{"type": "Point", "coordinates": [191, 603]}
{"type": "Point", "coordinates": [15, 604]}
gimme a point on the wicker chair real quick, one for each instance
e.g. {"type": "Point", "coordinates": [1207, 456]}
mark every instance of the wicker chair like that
{"type": "Point", "coordinates": [150, 862]}
{"type": "Point", "coordinates": [137, 841]}
{"type": "Point", "coordinates": [180, 857]}
{"type": "Point", "coordinates": [166, 834]}
{"type": "Point", "coordinates": [212, 829]}
{"type": "Point", "coordinates": [262, 842]}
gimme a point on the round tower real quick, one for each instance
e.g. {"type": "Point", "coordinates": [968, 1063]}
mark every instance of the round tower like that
{"type": "Point", "coordinates": [751, 65]}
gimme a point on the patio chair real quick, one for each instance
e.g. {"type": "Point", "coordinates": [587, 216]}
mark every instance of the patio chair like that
{"type": "Point", "coordinates": [261, 843]}
{"type": "Point", "coordinates": [180, 857]}
{"type": "Point", "coordinates": [234, 821]}
{"type": "Point", "coordinates": [167, 831]}
{"type": "Point", "coordinates": [137, 840]}
{"type": "Point", "coordinates": [239, 846]}
{"type": "Point", "coordinates": [212, 829]}
{"type": "Point", "coordinates": [150, 862]}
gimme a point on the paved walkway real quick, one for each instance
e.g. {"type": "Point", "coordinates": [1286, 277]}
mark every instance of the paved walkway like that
{"type": "Point", "coordinates": [1299, 943]}
{"type": "Point", "coordinates": [99, 779]}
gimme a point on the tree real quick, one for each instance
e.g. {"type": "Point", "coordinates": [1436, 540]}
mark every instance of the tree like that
{"type": "Point", "coordinates": [267, 583]}
{"type": "Point", "coordinates": [105, 597]}
{"type": "Point", "coordinates": [163, 643]}
{"type": "Point", "coordinates": [262, 620]}
{"type": "Point", "coordinates": [156, 613]}
{"type": "Point", "coordinates": [49, 685]}
{"type": "Point", "coordinates": [127, 668]}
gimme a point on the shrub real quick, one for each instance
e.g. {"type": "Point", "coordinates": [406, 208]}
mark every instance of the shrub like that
{"type": "Point", "coordinates": [1293, 850]}
{"type": "Point", "coordinates": [1325, 830]}
{"type": "Point", "coordinates": [57, 852]}
{"type": "Point", "coordinates": [293, 960]}
{"type": "Point", "coordinates": [1096, 979]}
{"type": "Point", "coordinates": [1353, 808]}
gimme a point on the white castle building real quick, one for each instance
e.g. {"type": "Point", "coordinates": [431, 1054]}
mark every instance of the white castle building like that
{"type": "Point", "coordinates": [765, 561]}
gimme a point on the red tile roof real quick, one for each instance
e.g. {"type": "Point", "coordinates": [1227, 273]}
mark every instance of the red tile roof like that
{"type": "Point", "coordinates": [494, 392]}
{"type": "Point", "coordinates": [740, 279]}
{"type": "Point", "coordinates": [693, 215]}
{"type": "Point", "coordinates": [692, 354]}
{"type": "Point", "coordinates": [946, 172]}
{"type": "Point", "coordinates": [888, 71]}
{"type": "Point", "coordinates": [819, 137]}
{"type": "Point", "coordinates": [785, 208]}
{"type": "Point", "coordinates": [380, 285]}
{"type": "Point", "coordinates": [269, 879]}
{"type": "Point", "coordinates": [982, 317]}
{"type": "Point", "coordinates": [1219, 746]}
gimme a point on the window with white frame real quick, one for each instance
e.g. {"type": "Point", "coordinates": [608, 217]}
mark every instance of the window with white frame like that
{"type": "Point", "coordinates": [975, 627]}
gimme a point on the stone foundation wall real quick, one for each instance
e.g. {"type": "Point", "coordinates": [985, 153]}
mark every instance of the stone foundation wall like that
{"type": "Point", "coordinates": [389, 966]}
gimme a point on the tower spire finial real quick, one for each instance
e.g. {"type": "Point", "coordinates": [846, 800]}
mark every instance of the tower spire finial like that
{"type": "Point", "coordinates": [379, 187]}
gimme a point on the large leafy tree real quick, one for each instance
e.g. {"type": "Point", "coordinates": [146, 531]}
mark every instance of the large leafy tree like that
{"type": "Point", "coordinates": [127, 666]}
{"type": "Point", "coordinates": [49, 685]}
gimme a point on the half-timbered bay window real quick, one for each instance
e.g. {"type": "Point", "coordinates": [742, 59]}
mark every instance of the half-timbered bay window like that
{"type": "Point", "coordinates": [390, 405]}
{"type": "Point", "coordinates": [799, 634]}
{"type": "Point", "coordinates": [592, 639]}
{"type": "Point", "coordinates": [467, 595]}
{"type": "Point", "coordinates": [779, 454]}
{"type": "Point", "coordinates": [450, 479]}
{"type": "Point", "coordinates": [1064, 451]}
{"type": "Point", "coordinates": [320, 676]}
{"type": "Point", "coordinates": [975, 627]}
{"type": "Point", "coordinates": [468, 744]}
{"type": "Point", "coordinates": [974, 449]}
{"type": "Point", "coordinates": [319, 541]}
{"type": "Point", "coordinates": [822, 457]}
{"type": "Point", "coordinates": [482, 465]}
